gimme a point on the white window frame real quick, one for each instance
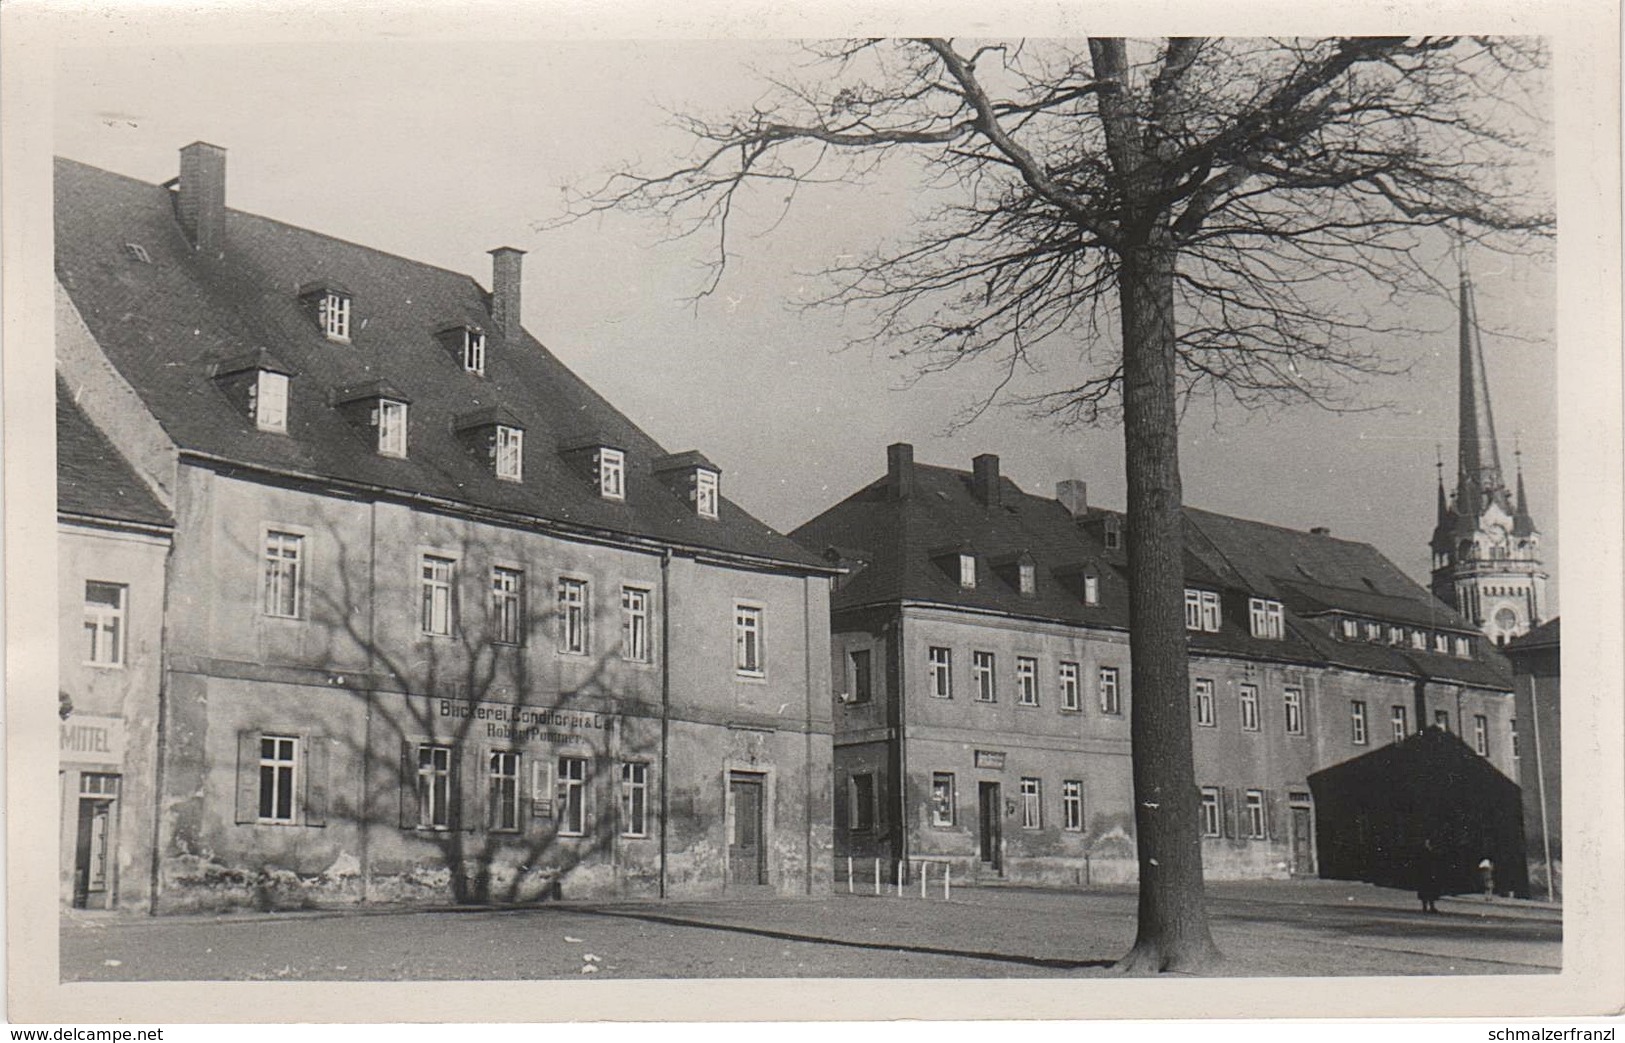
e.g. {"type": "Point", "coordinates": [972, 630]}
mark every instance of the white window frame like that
{"type": "Point", "coordinates": [1212, 812]}
{"type": "Point", "coordinates": [1441, 719]}
{"type": "Point", "coordinates": [707, 492]}
{"type": "Point", "coordinates": [435, 785]}
{"type": "Point", "coordinates": [1350, 628]}
{"type": "Point", "coordinates": [1441, 643]}
{"type": "Point", "coordinates": [1481, 735]}
{"type": "Point", "coordinates": [944, 813]}
{"type": "Point", "coordinates": [1419, 640]}
{"type": "Point", "coordinates": [611, 474]}
{"type": "Point", "coordinates": [1027, 577]}
{"type": "Point", "coordinates": [1026, 680]}
{"type": "Point", "coordinates": [1032, 803]}
{"type": "Point", "coordinates": [1108, 684]}
{"type": "Point", "coordinates": [507, 605]}
{"type": "Point", "coordinates": [1292, 709]}
{"type": "Point", "coordinates": [940, 669]}
{"type": "Point", "coordinates": [335, 316]}
{"type": "Point", "coordinates": [1512, 735]}
{"type": "Point", "coordinates": [1067, 679]}
{"type": "Point", "coordinates": [510, 453]}
{"type": "Point", "coordinates": [109, 622]}
{"type": "Point", "coordinates": [574, 599]}
{"type": "Point", "coordinates": [1202, 610]}
{"type": "Point", "coordinates": [1464, 647]}
{"type": "Point", "coordinates": [634, 798]}
{"type": "Point", "coordinates": [1072, 805]}
{"type": "Point", "coordinates": [279, 778]}
{"type": "Point", "coordinates": [1206, 712]}
{"type": "Point", "coordinates": [1399, 720]}
{"type": "Point", "coordinates": [570, 794]}
{"type": "Point", "coordinates": [1091, 590]}
{"type": "Point", "coordinates": [474, 351]}
{"type": "Point", "coordinates": [1247, 699]}
{"type": "Point", "coordinates": [283, 582]}
{"type": "Point", "coordinates": [1396, 635]}
{"type": "Point", "coordinates": [502, 794]}
{"type": "Point", "coordinates": [271, 401]}
{"type": "Point", "coordinates": [1359, 732]}
{"type": "Point", "coordinates": [750, 649]}
{"type": "Point", "coordinates": [391, 427]}
{"type": "Point", "coordinates": [1257, 817]}
{"type": "Point", "coordinates": [967, 572]}
{"type": "Point", "coordinates": [635, 620]}
{"type": "Point", "coordinates": [1268, 618]}
{"type": "Point", "coordinates": [983, 671]}
{"type": "Point", "coordinates": [437, 594]}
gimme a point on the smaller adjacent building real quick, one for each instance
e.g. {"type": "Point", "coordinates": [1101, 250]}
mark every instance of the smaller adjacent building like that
{"type": "Point", "coordinates": [113, 541]}
{"type": "Point", "coordinates": [1537, 677]}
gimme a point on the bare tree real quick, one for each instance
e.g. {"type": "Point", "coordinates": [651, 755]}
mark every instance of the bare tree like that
{"type": "Point", "coordinates": [1218, 216]}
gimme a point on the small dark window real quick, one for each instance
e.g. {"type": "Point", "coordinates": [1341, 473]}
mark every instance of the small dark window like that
{"type": "Point", "coordinates": [861, 677]}
{"type": "Point", "coordinates": [863, 803]}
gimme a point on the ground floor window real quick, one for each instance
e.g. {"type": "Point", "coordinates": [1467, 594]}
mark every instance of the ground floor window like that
{"type": "Point", "coordinates": [279, 770]}
{"type": "Point", "coordinates": [504, 791]}
{"type": "Point", "coordinates": [861, 802]}
{"type": "Point", "coordinates": [1210, 811]}
{"type": "Point", "coordinates": [434, 786]}
{"type": "Point", "coordinates": [1072, 805]}
{"type": "Point", "coordinates": [1032, 806]}
{"type": "Point", "coordinates": [1255, 814]}
{"type": "Point", "coordinates": [571, 795]}
{"type": "Point", "coordinates": [634, 799]}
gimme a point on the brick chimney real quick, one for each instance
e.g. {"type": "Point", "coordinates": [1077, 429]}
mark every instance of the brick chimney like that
{"type": "Point", "coordinates": [506, 265]}
{"type": "Point", "coordinates": [201, 200]}
{"type": "Point", "coordinates": [1320, 530]}
{"type": "Point", "coordinates": [1074, 496]}
{"type": "Point", "coordinates": [985, 479]}
{"type": "Point", "coordinates": [900, 470]}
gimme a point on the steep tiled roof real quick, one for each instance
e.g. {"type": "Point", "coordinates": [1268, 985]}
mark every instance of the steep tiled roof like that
{"type": "Point", "coordinates": [889, 541]}
{"type": "Point", "coordinates": [166, 324]}
{"type": "Point", "coordinates": [92, 479]}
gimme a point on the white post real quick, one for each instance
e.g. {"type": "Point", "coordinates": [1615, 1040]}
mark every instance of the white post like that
{"type": "Point", "coordinates": [899, 875]}
{"type": "Point", "coordinates": [925, 871]}
{"type": "Point", "coordinates": [877, 874]}
{"type": "Point", "coordinates": [848, 874]}
{"type": "Point", "coordinates": [947, 880]}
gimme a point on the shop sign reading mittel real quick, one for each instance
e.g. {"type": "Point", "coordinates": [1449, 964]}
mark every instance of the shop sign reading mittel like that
{"type": "Point", "coordinates": [92, 740]}
{"type": "Point", "coordinates": [526, 723]}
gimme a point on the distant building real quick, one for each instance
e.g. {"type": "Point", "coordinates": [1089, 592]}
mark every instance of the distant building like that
{"type": "Point", "coordinates": [440, 622]}
{"type": "Point", "coordinates": [981, 657]}
{"type": "Point", "coordinates": [1537, 678]}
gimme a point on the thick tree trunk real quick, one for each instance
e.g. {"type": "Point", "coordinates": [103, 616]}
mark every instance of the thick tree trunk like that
{"type": "Point", "coordinates": [1173, 931]}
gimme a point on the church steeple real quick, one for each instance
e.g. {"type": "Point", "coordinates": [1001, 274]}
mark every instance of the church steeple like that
{"type": "Point", "coordinates": [1479, 480]}
{"type": "Point", "coordinates": [1522, 523]}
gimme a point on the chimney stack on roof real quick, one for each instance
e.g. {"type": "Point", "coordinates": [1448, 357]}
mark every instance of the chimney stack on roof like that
{"type": "Point", "coordinates": [985, 479]}
{"type": "Point", "coordinates": [1074, 496]}
{"type": "Point", "coordinates": [506, 268]}
{"type": "Point", "coordinates": [900, 470]}
{"type": "Point", "coordinates": [1320, 530]}
{"type": "Point", "coordinates": [201, 198]}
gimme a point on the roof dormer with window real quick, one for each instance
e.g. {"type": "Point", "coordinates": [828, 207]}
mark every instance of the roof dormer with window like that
{"type": "Point", "coordinates": [378, 409]}
{"type": "Point", "coordinates": [1020, 571]}
{"type": "Point", "coordinates": [601, 463]}
{"type": "Point", "coordinates": [466, 344]}
{"type": "Point", "coordinates": [696, 479]}
{"type": "Point", "coordinates": [1267, 618]}
{"type": "Point", "coordinates": [259, 388]}
{"type": "Point", "coordinates": [1081, 579]}
{"type": "Point", "coordinates": [1202, 610]}
{"type": "Point", "coordinates": [330, 306]}
{"type": "Point", "coordinates": [497, 438]}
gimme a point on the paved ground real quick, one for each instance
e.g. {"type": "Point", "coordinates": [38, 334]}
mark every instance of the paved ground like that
{"type": "Point", "coordinates": [1297, 928]}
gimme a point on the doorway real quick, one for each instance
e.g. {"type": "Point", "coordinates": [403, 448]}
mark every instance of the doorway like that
{"type": "Point", "coordinates": [1303, 843]}
{"type": "Point", "coordinates": [93, 854]}
{"type": "Point", "coordinates": [990, 813]}
{"type": "Point", "coordinates": [747, 849]}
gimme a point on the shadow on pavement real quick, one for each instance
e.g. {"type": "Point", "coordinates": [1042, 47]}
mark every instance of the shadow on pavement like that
{"type": "Point", "coordinates": [791, 936]}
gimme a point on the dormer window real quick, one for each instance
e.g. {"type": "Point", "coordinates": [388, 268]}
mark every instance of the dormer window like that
{"type": "Point", "coordinates": [333, 312]}
{"type": "Point", "coordinates": [1027, 578]}
{"type": "Point", "coordinates": [1091, 590]}
{"type": "Point", "coordinates": [391, 423]}
{"type": "Point", "coordinates": [510, 453]}
{"type": "Point", "coordinates": [694, 478]}
{"type": "Point", "coordinates": [474, 351]}
{"type": "Point", "coordinates": [1441, 643]}
{"type": "Point", "coordinates": [1419, 640]}
{"type": "Point", "coordinates": [1267, 617]}
{"type": "Point", "coordinates": [1201, 610]}
{"type": "Point", "coordinates": [1464, 647]}
{"type": "Point", "coordinates": [1396, 635]}
{"type": "Point", "coordinates": [967, 571]}
{"type": "Point", "coordinates": [611, 474]}
{"type": "Point", "coordinates": [1113, 532]}
{"type": "Point", "coordinates": [258, 385]}
{"type": "Point", "coordinates": [1350, 629]}
{"type": "Point", "coordinates": [706, 485]}
{"type": "Point", "coordinates": [269, 398]}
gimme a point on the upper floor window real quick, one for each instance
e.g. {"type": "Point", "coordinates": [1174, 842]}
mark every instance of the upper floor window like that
{"type": "Point", "coordinates": [1111, 698]}
{"type": "Point", "coordinates": [981, 668]}
{"type": "Point", "coordinates": [437, 607]}
{"type": "Point", "coordinates": [1441, 643]}
{"type": "Point", "coordinates": [474, 350]}
{"type": "Point", "coordinates": [940, 666]}
{"type": "Point", "coordinates": [1373, 631]}
{"type": "Point", "coordinates": [1464, 647]}
{"type": "Point", "coordinates": [570, 796]}
{"type": "Point", "coordinates": [1268, 618]}
{"type": "Point", "coordinates": [1070, 698]}
{"type": "Point", "coordinates": [572, 616]}
{"type": "Point", "coordinates": [1399, 718]}
{"type": "Point", "coordinates": [706, 494]}
{"type": "Point", "coordinates": [104, 623]}
{"type": "Point", "coordinates": [270, 403]}
{"type": "Point", "coordinates": [1419, 640]}
{"type": "Point", "coordinates": [860, 812]}
{"type": "Point", "coordinates": [748, 640]}
{"type": "Point", "coordinates": [1091, 590]}
{"type": "Point", "coordinates": [510, 462]}
{"type": "Point", "coordinates": [333, 313]}
{"type": "Point", "coordinates": [1113, 533]}
{"type": "Point", "coordinates": [391, 427]}
{"type": "Point", "coordinates": [1358, 722]}
{"type": "Point", "coordinates": [1026, 680]}
{"type": "Point", "coordinates": [612, 474]}
{"type": "Point", "coordinates": [1027, 577]}
{"type": "Point", "coordinates": [1249, 708]}
{"type": "Point", "coordinates": [507, 605]}
{"type": "Point", "coordinates": [635, 624]}
{"type": "Point", "coordinates": [1292, 710]}
{"type": "Point", "coordinates": [1350, 629]}
{"type": "Point", "coordinates": [1441, 719]}
{"type": "Point", "coordinates": [859, 676]}
{"type": "Point", "coordinates": [1481, 735]}
{"type": "Point", "coordinates": [1202, 610]}
{"type": "Point", "coordinates": [1396, 635]}
{"type": "Point", "coordinates": [284, 574]}
{"type": "Point", "coordinates": [967, 571]}
{"type": "Point", "coordinates": [1205, 716]}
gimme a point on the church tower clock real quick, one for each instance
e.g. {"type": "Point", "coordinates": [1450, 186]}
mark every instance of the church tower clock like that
{"type": "Point", "coordinates": [1486, 549]}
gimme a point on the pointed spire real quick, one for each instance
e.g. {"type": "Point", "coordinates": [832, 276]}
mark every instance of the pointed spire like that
{"type": "Point", "coordinates": [1438, 466]}
{"type": "Point", "coordinates": [1522, 523]}
{"type": "Point", "coordinates": [1479, 478]}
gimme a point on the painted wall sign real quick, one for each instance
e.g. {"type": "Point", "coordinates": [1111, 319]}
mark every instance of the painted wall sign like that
{"type": "Point", "coordinates": [526, 724]}
{"type": "Point", "coordinates": [92, 740]}
{"type": "Point", "coordinates": [993, 759]}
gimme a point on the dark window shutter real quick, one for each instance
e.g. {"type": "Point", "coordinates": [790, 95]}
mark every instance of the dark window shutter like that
{"type": "Point", "coordinates": [316, 781]}
{"type": "Point", "coordinates": [248, 777]}
{"type": "Point", "coordinates": [1272, 814]}
{"type": "Point", "coordinates": [454, 791]}
{"type": "Point", "coordinates": [1228, 795]}
{"type": "Point", "coordinates": [409, 784]}
{"type": "Point", "coordinates": [469, 775]}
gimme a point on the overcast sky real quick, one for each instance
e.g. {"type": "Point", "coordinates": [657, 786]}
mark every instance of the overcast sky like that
{"type": "Point", "coordinates": [441, 151]}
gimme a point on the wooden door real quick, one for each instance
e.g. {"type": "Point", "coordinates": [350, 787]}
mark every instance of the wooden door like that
{"type": "Point", "coordinates": [990, 812]}
{"type": "Point", "coordinates": [747, 851]}
{"type": "Point", "coordinates": [1303, 843]}
{"type": "Point", "coordinates": [92, 854]}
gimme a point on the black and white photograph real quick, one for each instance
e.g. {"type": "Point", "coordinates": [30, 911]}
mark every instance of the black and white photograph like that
{"type": "Point", "coordinates": [718, 506]}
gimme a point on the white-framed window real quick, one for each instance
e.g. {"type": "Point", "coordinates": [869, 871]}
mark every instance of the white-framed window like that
{"type": "Point", "coordinates": [1464, 647]}
{"type": "Point", "coordinates": [1249, 707]}
{"type": "Point", "coordinates": [634, 799]}
{"type": "Point", "coordinates": [507, 606]}
{"type": "Point", "coordinates": [391, 427]}
{"type": "Point", "coordinates": [612, 474]}
{"type": "Point", "coordinates": [706, 494]}
{"type": "Point", "coordinates": [284, 574]}
{"type": "Point", "coordinates": [474, 351]}
{"type": "Point", "coordinates": [1357, 722]}
{"type": "Point", "coordinates": [1210, 612]}
{"type": "Point", "coordinates": [570, 795]}
{"type": "Point", "coordinates": [1111, 698]}
{"type": "Point", "coordinates": [1373, 631]}
{"type": "Point", "coordinates": [1441, 643]}
{"type": "Point", "coordinates": [1212, 812]}
{"type": "Point", "coordinates": [981, 671]}
{"type": "Point", "coordinates": [1396, 635]}
{"type": "Point", "coordinates": [1441, 719]}
{"type": "Point", "coordinates": [1206, 716]}
{"type": "Point", "coordinates": [279, 778]}
{"type": "Point", "coordinates": [434, 786]}
{"type": "Point", "coordinates": [1350, 629]}
{"type": "Point", "coordinates": [944, 801]}
{"type": "Point", "coordinates": [940, 667]}
{"type": "Point", "coordinates": [1072, 805]}
{"type": "Point", "coordinates": [1032, 804]}
{"type": "Point", "coordinates": [438, 609]}
{"type": "Point", "coordinates": [333, 312]}
{"type": "Point", "coordinates": [105, 608]}
{"type": "Point", "coordinates": [572, 615]}
{"type": "Point", "coordinates": [1481, 735]}
{"type": "Point", "coordinates": [1267, 617]}
{"type": "Point", "coordinates": [1256, 822]}
{"type": "Point", "coordinates": [860, 812]}
{"type": "Point", "coordinates": [503, 800]}
{"type": "Point", "coordinates": [510, 462]}
{"type": "Point", "coordinates": [1512, 734]}
{"type": "Point", "coordinates": [1026, 680]}
{"type": "Point", "coordinates": [1419, 640]}
{"type": "Point", "coordinates": [271, 401]}
{"type": "Point", "coordinates": [1091, 590]}
{"type": "Point", "coordinates": [1202, 610]}
{"type": "Point", "coordinates": [635, 624]}
{"type": "Point", "coordinates": [967, 571]}
{"type": "Point", "coordinates": [1292, 710]}
{"type": "Point", "coordinates": [1027, 576]}
{"type": "Point", "coordinates": [748, 657]}
{"type": "Point", "coordinates": [1400, 719]}
{"type": "Point", "coordinates": [1071, 698]}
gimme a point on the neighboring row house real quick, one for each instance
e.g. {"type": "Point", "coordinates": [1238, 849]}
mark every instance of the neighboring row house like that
{"type": "Point", "coordinates": [438, 621]}
{"type": "Point", "coordinates": [981, 651]}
